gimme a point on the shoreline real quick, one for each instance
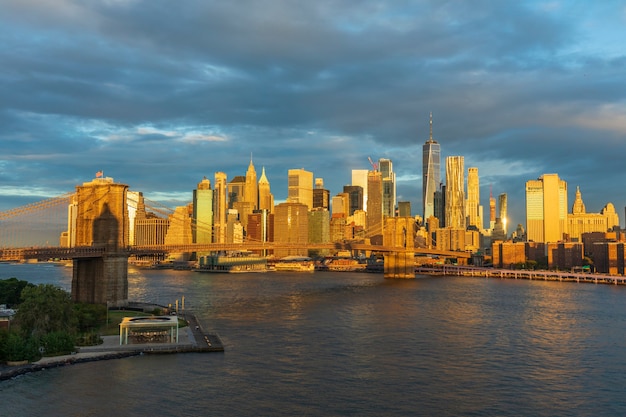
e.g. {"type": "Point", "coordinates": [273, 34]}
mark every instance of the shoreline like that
{"type": "Point", "coordinates": [192, 339]}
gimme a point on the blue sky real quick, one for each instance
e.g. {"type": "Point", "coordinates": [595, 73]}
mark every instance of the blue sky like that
{"type": "Point", "coordinates": [158, 94]}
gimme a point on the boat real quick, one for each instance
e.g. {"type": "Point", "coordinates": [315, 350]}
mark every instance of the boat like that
{"type": "Point", "coordinates": [295, 264]}
{"type": "Point", "coordinates": [232, 262]}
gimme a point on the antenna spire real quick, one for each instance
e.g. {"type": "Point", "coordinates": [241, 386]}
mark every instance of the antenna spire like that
{"type": "Point", "coordinates": [431, 127]}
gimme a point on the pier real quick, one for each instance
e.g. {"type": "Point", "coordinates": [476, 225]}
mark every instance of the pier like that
{"type": "Point", "coordinates": [540, 275]}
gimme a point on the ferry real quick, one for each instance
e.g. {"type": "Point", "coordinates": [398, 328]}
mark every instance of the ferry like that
{"type": "Point", "coordinates": [295, 264]}
{"type": "Point", "coordinates": [232, 262]}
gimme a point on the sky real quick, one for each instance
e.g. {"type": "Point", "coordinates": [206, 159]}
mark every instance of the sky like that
{"type": "Point", "coordinates": [158, 94]}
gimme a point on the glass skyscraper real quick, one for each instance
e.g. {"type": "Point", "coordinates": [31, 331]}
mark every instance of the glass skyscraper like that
{"type": "Point", "coordinates": [431, 173]}
{"type": "Point", "coordinates": [385, 167]}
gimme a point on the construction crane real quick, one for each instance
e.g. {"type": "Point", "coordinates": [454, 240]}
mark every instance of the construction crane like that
{"type": "Point", "coordinates": [373, 164]}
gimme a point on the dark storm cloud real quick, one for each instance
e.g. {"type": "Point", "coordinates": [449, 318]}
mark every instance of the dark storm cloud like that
{"type": "Point", "coordinates": [159, 94]}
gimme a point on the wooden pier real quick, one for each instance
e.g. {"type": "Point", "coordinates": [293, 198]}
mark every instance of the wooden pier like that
{"type": "Point", "coordinates": [561, 276]}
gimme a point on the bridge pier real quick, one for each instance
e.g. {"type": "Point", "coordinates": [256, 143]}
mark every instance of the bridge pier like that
{"type": "Point", "coordinates": [399, 232]}
{"type": "Point", "coordinates": [101, 280]}
{"type": "Point", "coordinates": [102, 221]}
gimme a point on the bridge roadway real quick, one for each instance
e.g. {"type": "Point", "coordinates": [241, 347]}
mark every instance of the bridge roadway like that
{"type": "Point", "coordinates": [54, 252]}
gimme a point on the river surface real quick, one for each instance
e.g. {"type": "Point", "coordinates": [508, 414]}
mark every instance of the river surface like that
{"type": "Point", "coordinates": [353, 344]}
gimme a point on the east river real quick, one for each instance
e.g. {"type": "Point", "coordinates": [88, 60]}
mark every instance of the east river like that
{"type": "Point", "coordinates": [353, 344]}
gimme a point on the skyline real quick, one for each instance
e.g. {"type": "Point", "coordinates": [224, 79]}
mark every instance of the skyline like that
{"type": "Point", "coordinates": [159, 98]}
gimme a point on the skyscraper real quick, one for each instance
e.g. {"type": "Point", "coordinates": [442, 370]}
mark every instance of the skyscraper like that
{"type": "Point", "coordinates": [321, 196]}
{"type": "Point", "coordinates": [502, 200]}
{"type": "Point", "coordinates": [385, 167]}
{"type": "Point", "coordinates": [359, 178]}
{"type": "Point", "coordinates": [236, 188]}
{"type": "Point", "coordinates": [375, 204]}
{"type": "Point", "coordinates": [431, 173]}
{"type": "Point", "coordinates": [291, 225]}
{"type": "Point", "coordinates": [355, 193]}
{"type": "Point", "coordinates": [300, 187]}
{"type": "Point", "coordinates": [455, 192]}
{"type": "Point", "coordinates": [546, 209]}
{"type": "Point", "coordinates": [473, 199]}
{"type": "Point", "coordinates": [251, 187]}
{"type": "Point", "coordinates": [219, 208]}
{"type": "Point", "coordinates": [492, 209]}
{"type": "Point", "coordinates": [202, 219]}
{"type": "Point", "coordinates": [266, 199]}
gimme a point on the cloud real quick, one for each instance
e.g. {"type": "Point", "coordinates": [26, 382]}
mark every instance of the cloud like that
{"type": "Point", "coordinates": [159, 95]}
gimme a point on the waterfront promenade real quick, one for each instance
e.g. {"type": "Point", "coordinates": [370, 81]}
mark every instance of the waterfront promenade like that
{"type": "Point", "coordinates": [543, 275]}
{"type": "Point", "coordinates": [191, 338]}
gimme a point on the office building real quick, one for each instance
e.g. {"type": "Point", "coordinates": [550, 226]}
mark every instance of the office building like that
{"type": "Point", "coordinates": [355, 197]}
{"type": "Point", "coordinates": [319, 229]}
{"type": "Point", "coordinates": [385, 166]}
{"type": "Point", "coordinates": [359, 179]}
{"type": "Point", "coordinates": [440, 208]}
{"type": "Point", "coordinates": [266, 199]}
{"type": "Point", "coordinates": [236, 188]}
{"type": "Point", "coordinates": [404, 209]}
{"type": "Point", "coordinates": [202, 218]}
{"type": "Point", "coordinates": [431, 173]}
{"type": "Point", "coordinates": [473, 199]}
{"type": "Point", "coordinates": [455, 193]}
{"type": "Point", "coordinates": [341, 205]}
{"type": "Point", "coordinates": [502, 211]}
{"type": "Point", "coordinates": [179, 231]}
{"type": "Point", "coordinates": [291, 225]}
{"type": "Point", "coordinates": [546, 209]}
{"type": "Point", "coordinates": [321, 196]}
{"type": "Point", "coordinates": [220, 207]}
{"type": "Point", "coordinates": [300, 187]}
{"type": "Point", "coordinates": [375, 204]}
{"type": "Point", "coordinates": [251, 187]}
{"type": "Point", "coordinates": [492, 210]}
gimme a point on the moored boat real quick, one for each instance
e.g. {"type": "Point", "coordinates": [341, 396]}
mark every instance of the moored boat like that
{"type": "Point", "coordinates": [232, 262]}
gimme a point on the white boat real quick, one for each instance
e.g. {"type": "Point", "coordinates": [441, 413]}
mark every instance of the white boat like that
{"type": "Point", "coordinates": [295, 264]}
{"type": "Point", "coordinates": [232, 262]}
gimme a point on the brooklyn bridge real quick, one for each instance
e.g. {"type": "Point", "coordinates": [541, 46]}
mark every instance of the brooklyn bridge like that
{"type": "Point", "coordinates": [91, 226]}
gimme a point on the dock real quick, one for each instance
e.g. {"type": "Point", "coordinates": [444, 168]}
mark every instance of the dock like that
{"type": "Point", "coordinates": [542, 275]}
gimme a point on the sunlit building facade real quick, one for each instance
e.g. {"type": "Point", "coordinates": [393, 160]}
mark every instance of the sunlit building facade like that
{"type": "Point", "coordinates": [546, 209]}
{"type": "Point", "coordinates": [375, 204]}
{"type": "Point", "coordinates": [579, 221]}
{"type": "Point", "coordinates": [455, 192]}
{"type": "Point", "coordinates": [385, 166]}
{"type": "Point", "coordinates": [359, 178]}
{"type": "Point", "coordinates": [202, 219]}
{"type": "Point", "coordinates": [473, 199]}
{"type": "Point", "coordinates": [431, 173]}
{"type": "Point", "coordinates": [291, 225]}
{"type": "Point", "coordinates": [300, 187]}
{"type": "Point", "coordinates": [266, 199]}
{"type": "Point", "coordinates": [219, 208]}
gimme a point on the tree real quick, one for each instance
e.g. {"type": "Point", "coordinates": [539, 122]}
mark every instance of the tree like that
{"type": "Point", "coordinates": [11, 290]}
{"type": "Point", "coordinates": [45, 309]}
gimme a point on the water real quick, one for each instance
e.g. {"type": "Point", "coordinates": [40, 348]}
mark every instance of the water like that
{"type": "Point", "coordinates": [354, 344]}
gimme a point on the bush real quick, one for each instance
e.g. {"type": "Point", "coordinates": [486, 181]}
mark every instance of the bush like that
{"type": "Point", "coordinates": [57, 343]}
{"type": "Point", "coordinates": [17, 348]}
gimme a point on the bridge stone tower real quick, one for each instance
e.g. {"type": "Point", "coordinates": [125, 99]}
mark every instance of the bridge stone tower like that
{"type": "Point", "coordinates": [102, 221]}
{"type": "Point", "coordinates": [399, 233]}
